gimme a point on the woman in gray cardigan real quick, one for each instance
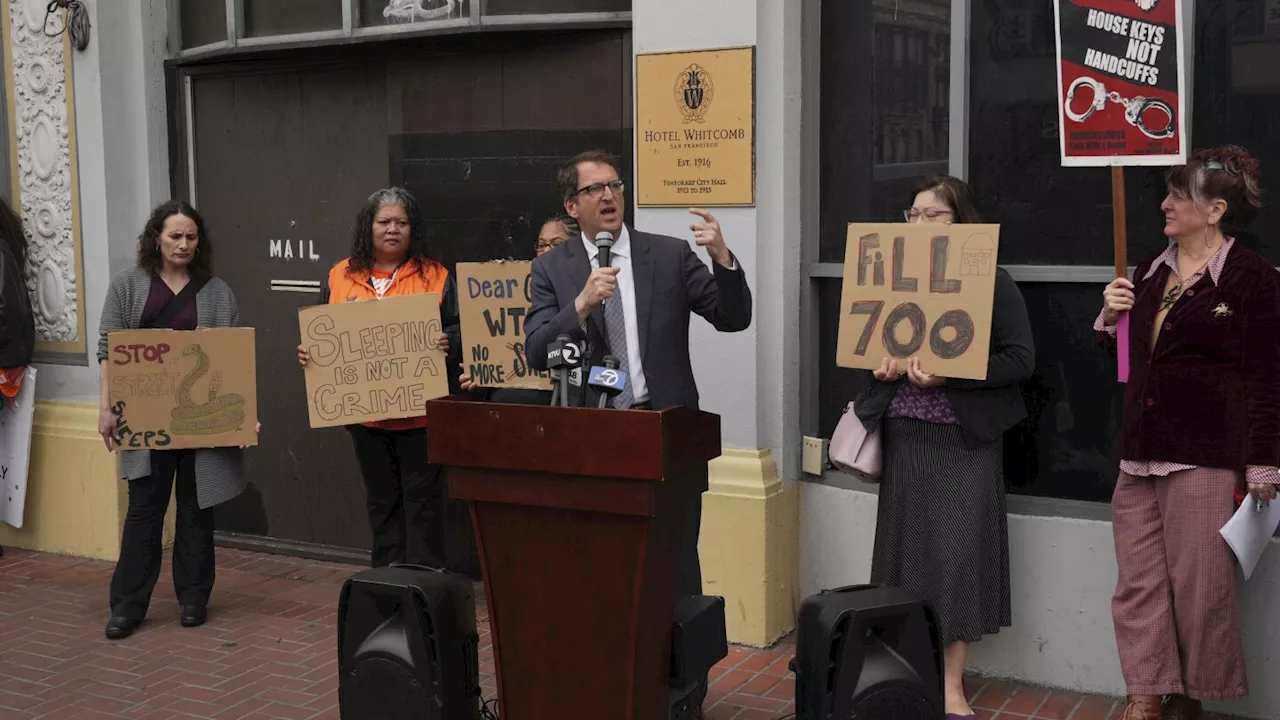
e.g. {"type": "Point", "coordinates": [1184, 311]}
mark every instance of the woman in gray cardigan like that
{"type": "Point", "coordinates": [171, 287]}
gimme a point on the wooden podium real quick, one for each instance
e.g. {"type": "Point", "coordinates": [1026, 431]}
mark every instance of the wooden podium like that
{"type": "Point", "coordinates": [578, 515]}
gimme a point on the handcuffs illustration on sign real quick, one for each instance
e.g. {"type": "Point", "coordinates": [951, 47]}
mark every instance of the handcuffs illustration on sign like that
{"type": "Point", "coordinates": [1133, 108]}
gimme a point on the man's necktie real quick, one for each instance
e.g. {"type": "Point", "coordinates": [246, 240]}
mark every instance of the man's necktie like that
{"type": "Point", "coordinates": [616, 324]}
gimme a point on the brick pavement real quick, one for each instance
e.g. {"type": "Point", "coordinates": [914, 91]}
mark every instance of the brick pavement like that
{"type": "Point", "coordinates": [269, 651]}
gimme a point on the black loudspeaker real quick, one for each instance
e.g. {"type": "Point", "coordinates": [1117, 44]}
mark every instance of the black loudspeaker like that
{"type": "Point", "coordinates": [698, 642]}
{"type": "Point", "coordinates": [867, 652]}
{"type": "Point", "coordinates": [407, 646]}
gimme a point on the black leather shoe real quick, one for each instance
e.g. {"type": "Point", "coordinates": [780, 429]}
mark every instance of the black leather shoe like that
{"type": "Point", "coordinates": [119, 627]}
{"type": "Point", "coordinates": [193, 615]}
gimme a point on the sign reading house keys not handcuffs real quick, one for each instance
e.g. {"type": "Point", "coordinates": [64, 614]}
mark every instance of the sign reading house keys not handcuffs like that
{"type": "Point", "coordinates": [1135, 109]}
{"type": "Point", "coordinates": [1129, 53]}
{"type": "Point", "coordinates": [1121, 82]}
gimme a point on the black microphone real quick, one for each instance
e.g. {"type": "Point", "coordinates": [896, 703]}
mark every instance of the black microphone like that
{"type": "Point", "coordinates": [572, 370]}
{"type": "Point", "coordinates": [564, 355]}
{"type": "Point", "coordinates": [555, 389]}
{"type": "Point", "coordinates": [556, 365]}
{"type": "Point", "coordinates": [609, 381]}
{"type": "Point", "coordinates": [604, 243]}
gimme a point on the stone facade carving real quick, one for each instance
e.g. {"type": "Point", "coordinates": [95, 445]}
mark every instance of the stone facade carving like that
{"type": "Point", "coordinates": [41, 119]}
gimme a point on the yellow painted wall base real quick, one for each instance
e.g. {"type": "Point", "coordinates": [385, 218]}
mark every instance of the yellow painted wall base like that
{"type": "Point", "coordinates": [75, 501]}
{"type": "Point", "coordinates": [750, 546]}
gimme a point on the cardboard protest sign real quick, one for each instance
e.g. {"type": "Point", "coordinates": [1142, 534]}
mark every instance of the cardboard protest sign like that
{"type": "Point", "coordinates": [1122, 94]}
{"type": "Point", "coordinates": [372, 360]}
{"type": "Point", "coordinates": [919, 290]}
{"type": "Point", "coordinates": [16, 424]}
{"type": "Point", "coordinates": [494, 298]}
{"type": "Point", "coordinates": [174, 389]}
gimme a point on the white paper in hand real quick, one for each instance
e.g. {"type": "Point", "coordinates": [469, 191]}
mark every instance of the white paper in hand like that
{"type": "Point", "coordinates": [1249, 531]}
{"type": "Point", "coordinates": [15, 450]}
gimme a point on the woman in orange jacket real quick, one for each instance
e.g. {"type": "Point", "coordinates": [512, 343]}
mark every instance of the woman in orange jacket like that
{"type": "Point", "coordinates": [405, 492]}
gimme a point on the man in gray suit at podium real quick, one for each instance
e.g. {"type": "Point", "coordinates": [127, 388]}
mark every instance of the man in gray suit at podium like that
{"type": "Point", "coordinates": [655, 282]}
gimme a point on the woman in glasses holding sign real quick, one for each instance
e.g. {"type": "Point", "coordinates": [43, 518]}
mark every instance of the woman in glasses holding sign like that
{"type": "Point", "coordinates": [171, 287]}
{"type": "Point", "coordinates": [556, 231]}
{"type": "Point", "coordinates": [1202, 416]}
{"type": "Point", "coordinates": [404, 491]}
{"type": "Point", "coordinates": [941, 527]}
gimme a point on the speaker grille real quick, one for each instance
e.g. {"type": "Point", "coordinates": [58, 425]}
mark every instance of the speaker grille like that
{"type": "Point", "coordinates": [384, 689]}
{"type": "Point", "coordinates": [894, 703]}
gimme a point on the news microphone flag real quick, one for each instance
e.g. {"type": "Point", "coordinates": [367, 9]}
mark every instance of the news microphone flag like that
{"type": "Point", "coordinates": [563, 353]}
{"type": "Point", "coordinates": [610, 380]}
{"type": "Point", "coordinates": [564, 357]}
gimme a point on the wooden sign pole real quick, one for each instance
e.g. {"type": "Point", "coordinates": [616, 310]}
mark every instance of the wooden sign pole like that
{"type": "Point", "coordinates": [1118, 221]}
{"type": "Point", "coordinates": [1120, 231]}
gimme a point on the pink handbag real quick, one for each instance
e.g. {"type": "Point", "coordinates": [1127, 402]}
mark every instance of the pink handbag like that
{"type": "Point", "coordinates": [854, 450]}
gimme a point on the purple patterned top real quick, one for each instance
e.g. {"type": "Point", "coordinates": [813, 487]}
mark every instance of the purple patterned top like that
{"type": "Point", "coordinates": [927, 404]}
{"type": "Point", "coordinates": [158, 297]}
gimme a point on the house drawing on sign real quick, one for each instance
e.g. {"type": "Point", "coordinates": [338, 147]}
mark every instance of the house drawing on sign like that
{"type": "Point", "coordinates": [412, 10]}
{"type": "Point", "coordinates": [978, 256]}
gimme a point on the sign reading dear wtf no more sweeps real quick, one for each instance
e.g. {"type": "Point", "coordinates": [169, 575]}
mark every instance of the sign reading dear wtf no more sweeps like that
{"type": "Point", "coordinates": [494, 299]}
{"type": "Point", "coordinates": [174, 389]}
{"type": "Point", "coordinates": [372, 360]}
{"type": "Point", "coordinates": [919, 290]}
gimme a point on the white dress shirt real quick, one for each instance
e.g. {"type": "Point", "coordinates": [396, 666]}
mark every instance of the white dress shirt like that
{"type": "Point", "coordinates": [620, 257]}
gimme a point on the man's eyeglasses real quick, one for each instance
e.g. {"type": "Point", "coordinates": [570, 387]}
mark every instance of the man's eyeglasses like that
{"type": "Point", "coordinates": [928, 213]}
{"type": "Point", "coordinates": [596, 190]}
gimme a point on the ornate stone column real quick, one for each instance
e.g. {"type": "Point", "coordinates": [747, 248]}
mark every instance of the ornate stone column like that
{"type": "Point", "coordinates": [40, 100]}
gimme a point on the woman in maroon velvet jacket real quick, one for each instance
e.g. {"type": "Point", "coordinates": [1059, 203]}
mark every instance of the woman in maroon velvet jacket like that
{"type": "Point", "coordinates": [1202, 414]}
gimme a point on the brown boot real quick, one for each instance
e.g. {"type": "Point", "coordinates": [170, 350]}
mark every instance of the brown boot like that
{"type": "Point", "coordinates": [1141, 707]}
{"type": "Point", "coordinates": [1181, 707]}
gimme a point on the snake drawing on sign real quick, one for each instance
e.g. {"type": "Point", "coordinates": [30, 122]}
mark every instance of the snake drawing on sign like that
{"type": "Point", "coordinates": [221, 414]}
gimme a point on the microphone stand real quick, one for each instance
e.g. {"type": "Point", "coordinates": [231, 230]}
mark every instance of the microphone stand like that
{"type": "Point", "coordinates": [611, 363]}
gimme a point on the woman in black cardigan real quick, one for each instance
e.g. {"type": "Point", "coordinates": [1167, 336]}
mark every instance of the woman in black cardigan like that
{"type": "Point", "coordinates": [941, 529]}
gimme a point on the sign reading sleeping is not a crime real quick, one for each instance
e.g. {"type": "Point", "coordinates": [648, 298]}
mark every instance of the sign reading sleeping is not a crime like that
{"type": "Point", "coordinates": [919, 290]}
{"type": "Point", "coordinates": [372, 360]}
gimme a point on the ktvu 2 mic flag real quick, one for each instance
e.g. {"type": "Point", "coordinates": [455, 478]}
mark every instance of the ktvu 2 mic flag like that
{"type": "Point", "coordinates": [1122, 94]}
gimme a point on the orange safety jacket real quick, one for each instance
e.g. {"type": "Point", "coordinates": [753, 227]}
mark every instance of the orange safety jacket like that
{"type": "Point", "coordinates": [408, 279]}
{"type": "Point", "coordinates": [11, 384]}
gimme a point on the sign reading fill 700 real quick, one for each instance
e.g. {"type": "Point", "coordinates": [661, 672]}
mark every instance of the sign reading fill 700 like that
{"type": "Point", "coordinates": [918, 290]}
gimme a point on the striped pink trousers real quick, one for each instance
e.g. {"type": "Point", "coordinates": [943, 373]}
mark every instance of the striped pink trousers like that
{"type": "Point", "coordinates": [1175, 602]}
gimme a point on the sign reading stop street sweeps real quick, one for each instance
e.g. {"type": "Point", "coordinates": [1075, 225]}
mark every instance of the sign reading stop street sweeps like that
{"type": "Point", "coordinates": [1122, 96]}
